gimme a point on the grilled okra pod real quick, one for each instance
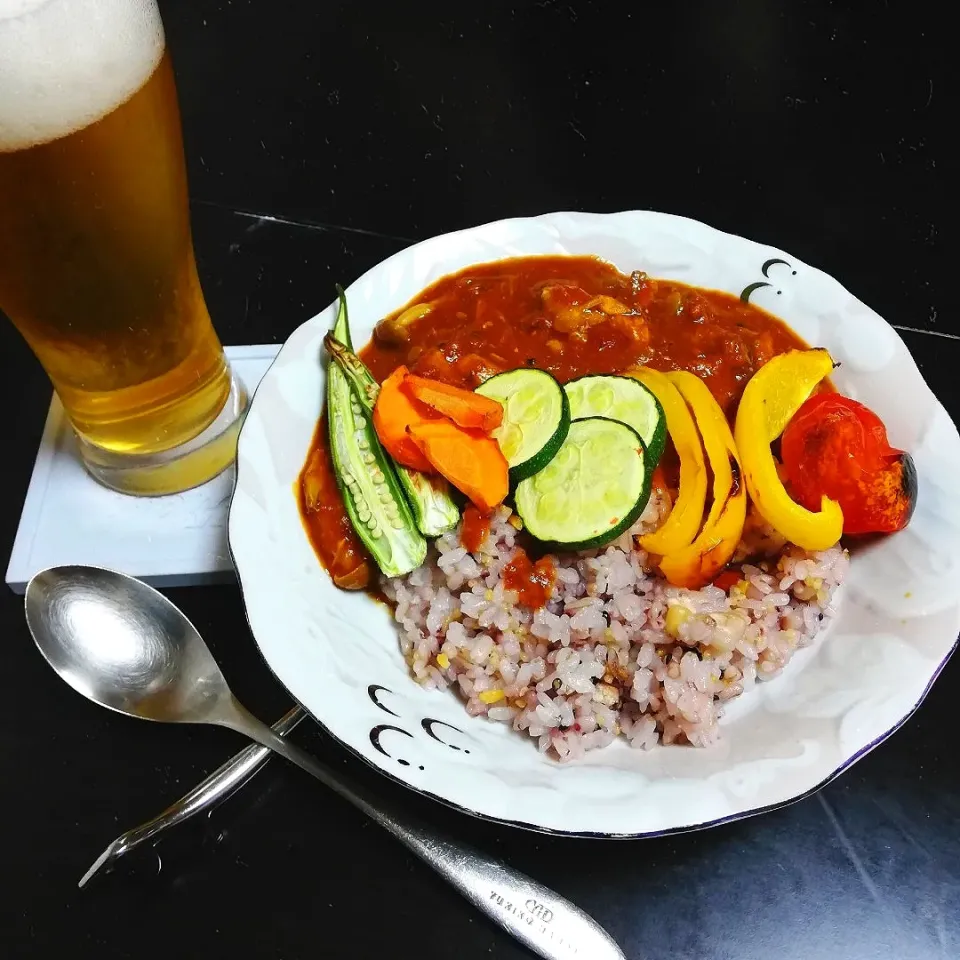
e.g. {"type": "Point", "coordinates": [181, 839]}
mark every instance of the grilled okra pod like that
{"type": "Point", "coordinates": [434, 511]}
{"type": "Point", "coordinates": [372, 495]}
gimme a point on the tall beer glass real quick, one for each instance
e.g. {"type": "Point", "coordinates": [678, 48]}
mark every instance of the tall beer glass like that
{"type": "Point", "coordinates": [96, 258]}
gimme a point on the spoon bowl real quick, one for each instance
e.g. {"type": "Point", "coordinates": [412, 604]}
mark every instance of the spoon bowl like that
{"type": "Point", "coordinates": [124, 645]}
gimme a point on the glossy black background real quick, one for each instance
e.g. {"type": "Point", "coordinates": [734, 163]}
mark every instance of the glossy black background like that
{"type": "Point", "coordinates": [360, 127]}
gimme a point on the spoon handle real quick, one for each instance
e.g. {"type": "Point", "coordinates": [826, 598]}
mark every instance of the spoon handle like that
{"type": "Point", "coordinates": [216, 788]}
{"type": "Point", "coordinates": [538, 917]}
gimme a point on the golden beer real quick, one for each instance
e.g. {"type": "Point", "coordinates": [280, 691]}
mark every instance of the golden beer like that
{"type": "Point", "coordinates": [96, 259]}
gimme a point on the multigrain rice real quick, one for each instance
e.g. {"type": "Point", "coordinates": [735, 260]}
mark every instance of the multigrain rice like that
{"type": "Point", "coordinates": [616, 651]}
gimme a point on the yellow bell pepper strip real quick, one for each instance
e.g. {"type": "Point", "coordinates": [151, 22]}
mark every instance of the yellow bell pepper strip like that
{"type": "Point", "coordinates": [771, 398]}
{"type": "Point", "coordinates": [686, 517]}
{"type": "Point", "coordinates": [699, 563]}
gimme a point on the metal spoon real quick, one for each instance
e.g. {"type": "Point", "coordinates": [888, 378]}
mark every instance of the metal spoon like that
{"type": "Point", "coordinates": [125, 646]}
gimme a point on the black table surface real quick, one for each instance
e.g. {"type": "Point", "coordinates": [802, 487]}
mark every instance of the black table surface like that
{"type": "Point", "coordinates": [323, 137]}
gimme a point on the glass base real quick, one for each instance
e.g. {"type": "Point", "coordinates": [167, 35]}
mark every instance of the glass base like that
{"type": "Point", "coordinates": [176, 470]}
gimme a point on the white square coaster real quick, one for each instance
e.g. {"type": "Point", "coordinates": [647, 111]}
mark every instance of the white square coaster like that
{"type": "Point", "coordinates": [169, 541]}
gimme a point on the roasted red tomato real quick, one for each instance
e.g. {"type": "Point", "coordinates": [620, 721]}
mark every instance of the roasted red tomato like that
{"type": "Point", "coordinates": [837, 447]}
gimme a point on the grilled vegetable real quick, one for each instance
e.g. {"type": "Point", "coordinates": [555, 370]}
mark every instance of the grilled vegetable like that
{"type": "Point", "coordinates": [686, 517]}
{"type": "Point", "coordinates": [621, 398]}
{"type": "Point", "coordinates": [696, 565]}
{"type": "Point", "coordinates": [593, 490]}
{"type": "Point", "coordinates": [365, 475]}
{"type": "Point", "coordinates": [434, 512]}
{"type": "Point", "coordinates": [536, 418]}
{"type": "Point", "coordinates": [771, 398]}
{"type": "Point", "coordinates": [838, 448]}
{"type": "Point", "coordinates": [394, 410]}
{"type": "Point", "coordinates": [464, 407]}
{"type": "Point", "coordinates": [469, 459]}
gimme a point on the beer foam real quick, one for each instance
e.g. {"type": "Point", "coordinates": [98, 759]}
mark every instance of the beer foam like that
{"type": "Point", "coordinates": [66, 63]}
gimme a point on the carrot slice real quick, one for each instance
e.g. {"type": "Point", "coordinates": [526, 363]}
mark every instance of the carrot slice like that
{"type": "Point", "coordinates": [464, 407]}
{"type": "Point", "coordinates": [469, 459]}
{"type": "Point", "coordinates": [394, 411]}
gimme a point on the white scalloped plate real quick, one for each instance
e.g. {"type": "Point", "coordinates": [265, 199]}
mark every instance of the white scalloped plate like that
{"type": "Point", "coordinates": [338, 655]}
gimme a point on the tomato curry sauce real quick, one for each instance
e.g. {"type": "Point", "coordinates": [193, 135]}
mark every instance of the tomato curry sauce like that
{"type": "Point", "coordinates": [570, 316]}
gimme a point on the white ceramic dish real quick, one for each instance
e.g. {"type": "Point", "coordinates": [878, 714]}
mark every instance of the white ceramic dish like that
{"type": "Point", "coordinates": [338, 655]}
